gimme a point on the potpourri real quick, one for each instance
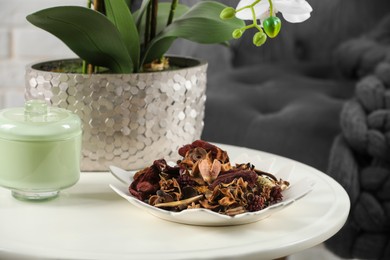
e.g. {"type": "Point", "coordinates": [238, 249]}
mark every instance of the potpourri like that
{"type": "Point", "coordinates": [204, 178]}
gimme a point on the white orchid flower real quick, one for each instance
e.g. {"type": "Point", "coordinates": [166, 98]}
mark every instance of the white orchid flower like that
{"type": "Point", "coordinates": [293, 11]}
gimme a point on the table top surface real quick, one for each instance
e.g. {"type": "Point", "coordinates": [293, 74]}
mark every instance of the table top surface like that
{"type": "Point", "coordinates": [90, 221]}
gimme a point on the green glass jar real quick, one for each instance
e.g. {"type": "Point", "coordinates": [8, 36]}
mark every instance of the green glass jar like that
{"type": "Point", "coordinates": [40, 150]}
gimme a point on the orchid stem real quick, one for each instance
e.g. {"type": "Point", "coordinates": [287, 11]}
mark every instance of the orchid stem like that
{"type": "Point", "coordinates": [172, 11]}
{"type": "Point", "coordinates": [153, 27]}
{"type": "Point", "coordinates": [271, 8]}
{"type": "Point", "coordinates": [147, 24]}
{"type": "Point", "coordinates": [97, 6]}
{"type": "Point", "coordinates": [248, 6]}
{"type": "Point", "coordinates": [254, 18]}
{"type": "Point", "coordinates": [85, 65]}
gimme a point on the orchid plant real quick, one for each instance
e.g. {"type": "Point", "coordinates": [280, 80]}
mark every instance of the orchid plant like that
{"type": "Point", "coordinates": [107, 33]}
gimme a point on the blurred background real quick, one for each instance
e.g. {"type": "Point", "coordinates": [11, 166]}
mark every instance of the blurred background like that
{"type": "Point", "coordinates": [21, 44]}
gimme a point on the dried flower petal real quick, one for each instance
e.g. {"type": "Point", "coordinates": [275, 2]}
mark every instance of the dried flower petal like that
{"type": "Point", "coordinates": [247, 175]}
{"type": "Point", "coordinates": [160, 197]}
{"type": "Point", "coordinates": [146, 183]}
{"type": "Point", "coordinates": [216, 152]}
{"type": "Point", "coordinates": [188, 192]}
{"type": "Point", "coordinates": [228, 198]}
{"type": "Point", "coordinates": [209, 170]}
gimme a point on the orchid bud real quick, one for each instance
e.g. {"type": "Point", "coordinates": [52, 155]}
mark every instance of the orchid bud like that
{"type": "Point", "coordinates": [272, 26]}
{"type": "Point", "coordinates": [259, 38]}
{"type": "Point", "coordinates": [237, 33]}
{"type": "Point", "coordinates": [227, 13]}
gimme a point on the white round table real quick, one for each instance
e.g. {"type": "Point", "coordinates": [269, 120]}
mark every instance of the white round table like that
{"type": "Point", "coordinates": [90, 221]}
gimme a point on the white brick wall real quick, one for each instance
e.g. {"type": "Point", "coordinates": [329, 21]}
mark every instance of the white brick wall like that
{"type": "Point", "coordinates": [22, 43]}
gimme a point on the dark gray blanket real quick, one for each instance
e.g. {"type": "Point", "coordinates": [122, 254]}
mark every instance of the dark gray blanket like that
{"type": "Point", "coordinates": [360, 156]}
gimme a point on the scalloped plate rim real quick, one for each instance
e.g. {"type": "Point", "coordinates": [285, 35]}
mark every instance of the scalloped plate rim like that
{"type": "Point", "coordinates": [211, 218]}
{"type": "Point", "coordinates": [181, 216]}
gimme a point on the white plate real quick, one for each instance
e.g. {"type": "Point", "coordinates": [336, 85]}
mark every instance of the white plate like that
{"type": "Point", "coordinates": [205, 217]}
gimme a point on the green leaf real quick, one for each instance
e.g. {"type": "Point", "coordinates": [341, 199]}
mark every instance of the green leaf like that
{"type": "Point", "coordinates": [119, 14]}
{"type": "Point", "coordinates": [201, 24]}
{"type": "Point", "coordinates": [162, 16]}
{"type": "Point", "coordinates": [87, 33]}
{"type": "Point", "coordinates": [140, 12]}
{"type": "Point", "coordinates": [128, 3]}
{"type": "Point", "coordinates": [160, 49]}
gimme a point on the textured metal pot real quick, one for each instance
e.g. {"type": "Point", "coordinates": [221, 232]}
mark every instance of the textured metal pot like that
{"type": "Point", "coordinates": [129, 120]}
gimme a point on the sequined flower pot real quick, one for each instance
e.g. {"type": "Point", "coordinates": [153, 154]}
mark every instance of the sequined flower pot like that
{"type": "Point", "coordinates": [129, 120]}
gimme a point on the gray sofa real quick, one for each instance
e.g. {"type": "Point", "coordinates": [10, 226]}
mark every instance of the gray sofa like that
{"type": "Point", "coordinates": [289, 96]}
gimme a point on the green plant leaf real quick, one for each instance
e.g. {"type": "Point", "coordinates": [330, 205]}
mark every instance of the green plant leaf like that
{"type": "Point", "coordinates": [119, 14]}
{"type": "Point", "coordinates": [201, 24]}
{"type": "Point", "coordinates": [87, 33]}
{"type": "Point", "coordinates": [140, 12]}
{"type": "Point", "coordinates": [162, 16]}
{"type": "Point", "coordinates": [128, 3]}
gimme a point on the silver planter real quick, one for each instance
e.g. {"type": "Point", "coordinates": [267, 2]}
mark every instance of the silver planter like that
{"type": "Point", "coordinates": [129, 120]}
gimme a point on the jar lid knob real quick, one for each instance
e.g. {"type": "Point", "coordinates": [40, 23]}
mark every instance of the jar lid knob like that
{"type": "Point", "coordinates": [33, 108]}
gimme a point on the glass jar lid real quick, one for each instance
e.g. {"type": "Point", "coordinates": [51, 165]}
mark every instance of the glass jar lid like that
{"type": "Point", "coordinates": [38, 122]}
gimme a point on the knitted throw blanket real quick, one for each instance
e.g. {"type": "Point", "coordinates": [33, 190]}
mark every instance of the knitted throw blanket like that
{"type": "Point", "coordinates": [360, 156]}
